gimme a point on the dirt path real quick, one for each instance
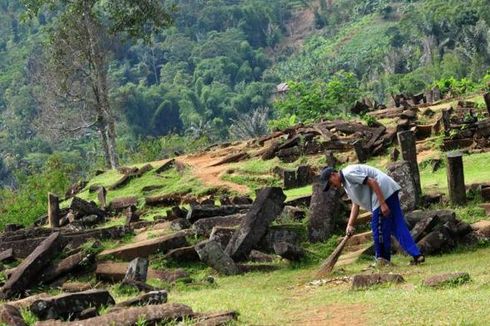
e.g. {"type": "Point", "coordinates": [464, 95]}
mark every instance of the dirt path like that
{"type": "Point", "coordinates": [201, 167]}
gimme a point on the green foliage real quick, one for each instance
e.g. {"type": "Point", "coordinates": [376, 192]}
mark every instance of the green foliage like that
{"type": "Point", "coordinates": [283, 122]}
{"type": "Point", "coordinates": [456, 87]}
{"type": "Point", "coordinates": [29, 317]}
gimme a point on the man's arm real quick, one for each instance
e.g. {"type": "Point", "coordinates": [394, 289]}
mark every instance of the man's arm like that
{"type": "Point", "coordinates": [373, 184]}
{"type": "Point", "coordinates": [354, 212]}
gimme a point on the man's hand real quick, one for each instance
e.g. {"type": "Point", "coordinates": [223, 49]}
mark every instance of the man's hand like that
{"type": "Point", "coordinates": [349, 230]}
{"type": "Point", "coordinates": [385, 210]}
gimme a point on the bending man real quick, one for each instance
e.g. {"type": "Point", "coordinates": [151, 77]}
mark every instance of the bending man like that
{"type": "Point", "coordinates": [374, 191]}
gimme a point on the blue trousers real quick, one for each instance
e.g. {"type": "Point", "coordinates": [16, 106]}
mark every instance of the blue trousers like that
{"type": "Point", "coordinates": [384, 227]}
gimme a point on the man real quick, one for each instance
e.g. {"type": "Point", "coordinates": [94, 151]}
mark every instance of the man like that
{"type": "Point", "coordinates": [374, 191]}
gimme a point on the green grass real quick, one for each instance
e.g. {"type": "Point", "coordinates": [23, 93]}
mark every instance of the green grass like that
{"type": "Point", "coordinates": [283, 297]}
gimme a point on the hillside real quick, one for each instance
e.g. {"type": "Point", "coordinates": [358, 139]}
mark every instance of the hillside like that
{"type": "Point", "coordinates": [165, 210]}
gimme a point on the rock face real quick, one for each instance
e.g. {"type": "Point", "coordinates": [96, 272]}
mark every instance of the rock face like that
{"type": "Point", "coordinates": [211, 254]}
{"type": "Point", "coordinates": [137, 270]}
{"type": "Point", "coordinates": [401, 173]}
{"type": "Point", "coordinates": [150, 298]}
{"type": "Point", "coordinates": [152, 314]}
{"type": "Point", "coordinates": [204, 226]}
{"type": "Point", "coordinates": [324, 209]}
{"type": "Point", "coordinates": [289, 251]}
{"type": "Point", "coordinates": [367, 280]}
{"type": "Point", "coordinates": [447, 279]}
{"type": "Point", "coordinates": [148, 247]}
{"type": "Point", "coordinates": [184, 254]}
{"type": "Point", "coordinates": [276, 234]}
{"type": "Point", "coordinates": [69, 306]}
{"type": "Point", "coordinates": [222, 235]}
{"type": "Point", "coordinates": [267, 206]}
{"type": "Point", "coordinates": [27, 272]}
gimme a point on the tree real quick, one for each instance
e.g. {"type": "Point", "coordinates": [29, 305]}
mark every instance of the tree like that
{"type": "Point", "coordinates": [79, 49]}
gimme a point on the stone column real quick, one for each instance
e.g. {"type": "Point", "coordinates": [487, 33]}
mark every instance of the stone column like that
{"type": "Point", "coordinates": [362, 154]}
{"type": "Point", "coordinates": [455, 178]}
{"type": "Point", "coordinates": [53, 211]}
{"type": "Point", "coordinates": [406, 139]}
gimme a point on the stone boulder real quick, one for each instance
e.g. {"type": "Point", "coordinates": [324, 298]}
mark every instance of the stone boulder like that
{"type": "Point", "coordinates": [266, 207]}
{"type": "Point", "coordinates": [289, 251]}
{"type": "Point", "coordinates": [211, 253]}
{"type": "Point", "coordinates": [401, 173]}
{"type": "Point", "coordinates": [324, 211]}
{"type": "Point", "coordinates": [447, 279]}
{"type": "Point", "coordinates": [364, 281]}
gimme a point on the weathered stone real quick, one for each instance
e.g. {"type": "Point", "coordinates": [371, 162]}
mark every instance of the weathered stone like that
{"type": "Point", "coordinates": [88, 313]}
{"type": "Point", "coordinates": [394, 154]}
{"type": "Point", "coordinates": [260, 257]}
{"type": "Point", "coordinates": [163, 200]}
{"type": "Point", "coordinates": [443, 215]}
{"type": "Point", "coordinates": [150, 298]}
{"type": "Point", "coordinates": [115, 272]}
{"type": "Point", "coordinates": [12, 227]}
{"type": "Point", "coordinates": [367, 280]}
{"type": "Point", "coordinates": [485, 193]}
{"type": "Point", "coordinates": [119, 204]}
{"type": "Point", "coordinates": [201, 212]}
{"type": "Point", "coordinates": [289, 251]}
{"type": "Point", "coordinates": [279, 233]}
{"type": "Point", "coordinates": [455, 178]}
{"type": "Point", "coordinates": [26, 273]}
{"type": "Point", "coordinates": [184, 254]}
{"type": "Point", "coordinates": [423, 226]}
{"type": "Point", "coordinates": [437, 241]}
{"type": "Point", "coordinates": [447, 279]}
{"type": "Point", "coordinates": [53, 210]}
{"type": "Point", "coordinates": [176, 212]}
{"type": "Point", "coordinates": [482, 227]}
{"type": "Point", "coordinates": [7, 255]}
{"type": "Point", "coordinates": [69, 264]}
{"type": "Point", "coordinates": [137, 270]}
{"type": "Point", "coordinates": [152, 314]}
{"type": "Point", "coordinates": [267, 206]}
{"type": "Point", "coordinates": [211, 253]}
{"type": "Point", "coordinates": [69, 306]}
{"type": "Point", "coordinates": [222, 235]}
{"type": "Point", "coordinates": [241, 200]}
{"type": "Point", "coordinates": [73, 287]}
{"type": "Point", "coordinates": [11, 316]}
{"type": "Point", "coordinates": [132, 215]}
{"type": "Point", "coordinates": [401, 173]}
{"type": "Point", "coordinates": [165, 166]}
{"type": "Point", "coordinates": [180, 224]}
{"type": "Point", "coordinates": [293, 213]}
{"type": "Point", "coordinates": [203, 227]}
{"type": "Point", "coordinates": [289, 181]}
{"type": "Point", "coordinates": [289, 155]}
{"type": "Point", "coordinates": [324, 211]}
{"type": "Point", "coordinates": [148, 247]}
{"type": "Point", "coordinates": [215, 319]}
{"type": "Point", "coordinates": [82, 208]}
{"type": "Point", "coordinates": [299, 201]}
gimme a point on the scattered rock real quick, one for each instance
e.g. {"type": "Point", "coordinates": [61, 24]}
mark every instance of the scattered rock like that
{"type": "Point", "coordinates": [180, 224]}
{"type": "Point", "coordinates": [176, 212]}
{"type": "Point", "coordinates": [10, 315]}
{"type": "Point", "coordinates": [184, 254]}
{"type": "Point", "coordinates": [215, 319]}
{"type": "Point", "coordinates": [73, 287]}
{"type": "Point", "coordinates": [201, 212]}
{"type": "Point", "coordinates": [67, 265]}
{"type": "Point", "coordinates": [150, 298]}
{"type": "Point", "coordinates": [69, 306]}
{"type": "Point", "coordinates": [203, 227]}
{"type": "Point", "coordinates": [482, 227]}
{"type": "Point", "coordinates": [211, 253]}
{"type": "Point", "coordinates": [446, 279]}
{"type": "Point", "coordinates": [260, 257]}
{"type": "Point", "coordinates": [289, 251]}
{"type": "Point", "coordinates": [267, 206]}
{"type": "Point", "coordinates": [324, 210]}
{"type": "Point", "coordinates": [222, 235]}
{"type": "Point", "coordinates": [26, 273]}
{"type": "Point", "coordinates": [148, 247]}
{"type": "Point", "coordinates": [7, 256]}
{"type": "Point", "coordinates": [88, 313]}
{"type": "Point", "coordinates": [137, 270]}
{"type": "Point", "coordinates": [152, 314]}
{"type": "Point", "coordinates": [293, 213]}
{"type": "Point", "coordinates": [119, 204]}
{"type": "Point", "coordinates": [401, 173]}
{"type": "Point", "coordinates": [279, 233]}
{"type": "Point", "coordinates": [363, 281]}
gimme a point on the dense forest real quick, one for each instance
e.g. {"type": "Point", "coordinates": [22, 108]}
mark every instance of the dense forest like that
{"type": "Point", "coordinates": [209, 73]}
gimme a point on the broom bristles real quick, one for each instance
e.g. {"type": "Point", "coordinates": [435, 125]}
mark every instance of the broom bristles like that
{"type": "Point", "coordinates": [330, 262]}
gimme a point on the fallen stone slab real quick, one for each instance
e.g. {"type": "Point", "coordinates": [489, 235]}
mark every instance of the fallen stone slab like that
{"type": "Point", "coordinates": [293, 213]}
{"type": "Point", "coordinates": [176, 212]}
{"type": "Point", "coordinates": [447, 279]}
{"type": "Point", "coordinates": [69, 264]}
{"type": "Point", "coordinates": [164, 200]}
{"type": "Point", "coordinates": [180, 224]}
{"type": "Point", "coordinates": [88, 313]}
{"type": "Point", "coordinates": [289, 233]}
{"type": "Point", "coordinates": [81, 207]}
{"type": "Point", "coordinates": [119, 204]}
{"type": "Point", "coordinates": [482, 227]}
{"type": "Point", "coordinates": [7, 256]}
{"type": "Point", "coordinates": [11, 316]}
{"type": "Point", "coordinates": [148, 247]}
{"type": "Point", "coordinates": [206, 211]}
{"type": "Point", "coordinates": [211, 253]}
{"type": "Point", "coordinates": [203, 227]}
{"type": "Point", "coordinates": [152, 314]}
{"type": "Point", "coordinates": [25, 303]}
{"type": "Point", "coordinates": [184, 254]}
{"type": "Point", "coordinates": [222, 235]}
{"type": "Point", "coordinates": [150, 298]}
{"type": "Point", "coordinates": [267, 206]}
{"type": "Point", "coordinates": [73, 287]}
{"type": "Point", "coordinates": [364, 281]}
{"type": "Point", "coordinates": [69, 306]}
{"type": "Point", "coordinates": [423, 227]}
{"type": "Point", "coordinates": [289, 251]}
{"type": "Point", "coordinates": [115, 272]}
{"type": "Point", "coordinates": [260, 268]}
{"type": "Point", "coordinates": [26, 273]}
{"type": "Point", "coordinates": [260, 257]}
{"type": "Point", "coordinates": [437, 241]}
{"type": "Point", "coordinates": [215, 319]}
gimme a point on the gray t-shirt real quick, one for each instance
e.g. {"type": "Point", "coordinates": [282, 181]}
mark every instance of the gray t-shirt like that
{"type": "Point", "coordinates": [354, 181]}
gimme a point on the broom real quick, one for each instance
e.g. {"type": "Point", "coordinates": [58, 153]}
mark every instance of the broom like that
{"type": "Point", "coordinates": [330, 262]}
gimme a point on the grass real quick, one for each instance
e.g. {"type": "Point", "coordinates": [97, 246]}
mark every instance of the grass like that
{"type": "Point", "coordinates": [284, 298]}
